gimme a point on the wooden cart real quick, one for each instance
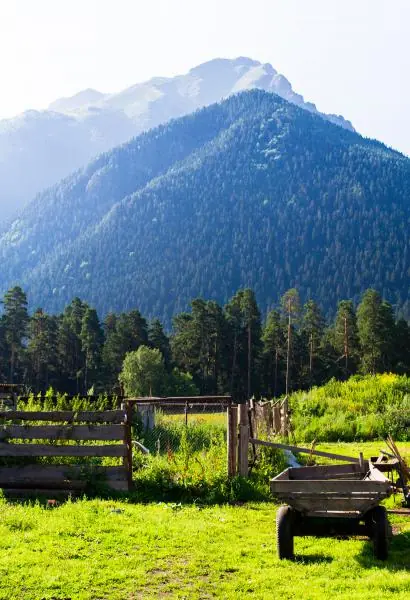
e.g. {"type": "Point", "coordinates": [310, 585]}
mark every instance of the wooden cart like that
{"type": "Point", "coordinates": [328, 501]}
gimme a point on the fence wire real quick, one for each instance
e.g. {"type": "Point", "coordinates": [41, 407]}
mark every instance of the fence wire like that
{"type": "Point", "coordinates": [166, 430]}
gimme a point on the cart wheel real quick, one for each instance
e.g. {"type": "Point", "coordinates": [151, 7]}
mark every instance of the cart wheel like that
{"type": "Point", "coordinates": [378, 523]}
{"type": "Point", "coordinates": [284, 532]}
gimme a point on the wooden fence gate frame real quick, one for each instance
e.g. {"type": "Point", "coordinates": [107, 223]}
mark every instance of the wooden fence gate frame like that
{"type": "Point", "coordinates": [108, 425]}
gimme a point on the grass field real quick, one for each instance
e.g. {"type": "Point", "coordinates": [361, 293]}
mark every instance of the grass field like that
{"type": "Point", "coordinates": [94, 549]}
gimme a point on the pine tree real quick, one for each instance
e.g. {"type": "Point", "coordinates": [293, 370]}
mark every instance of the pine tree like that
{"type": "Point", "coordinates": [376, 331]}
{"type": "Point", "coordinates": [244, 319]}
{"type": "Point", "coordinates": [290, 303]}
{"type": "Point", "coordinates": [92, 337]}
{"type": "Point", "coordinates": [15, 321]}
{"type": "Point", "coordinates": [71, 355]}
{"type": "Point", "coordinates": [273, 350]}
{"type": "Point", "coordinates": [42, 348]}
{"type": "Point", "coordinates": [401, 347]}
{"type": "Point", "coordinates": [346, 337]}
{"type": "Point", "coordinates": [158, 339]}
{"type": "Point", "coordinates": [124, 333]}
{"type": "Point", "coordinates": [312, 329]}
{"type": "Point", "coordinates": [198, 342]}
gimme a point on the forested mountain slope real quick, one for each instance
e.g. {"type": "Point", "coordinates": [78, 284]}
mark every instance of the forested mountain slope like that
{"type": "Point", "coordinates": [250, 192]}
{"type": "Point", "coordinates": [38, 148]}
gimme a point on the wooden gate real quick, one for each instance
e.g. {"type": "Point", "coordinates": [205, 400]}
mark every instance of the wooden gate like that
{"type": "Point", "coordinates": [23, 435]}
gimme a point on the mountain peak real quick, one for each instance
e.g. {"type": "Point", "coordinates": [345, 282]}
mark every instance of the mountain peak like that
{"type": "Point", "coordinates": [78, 101]}
{"type": "Point", "coordinates": [46, 148]}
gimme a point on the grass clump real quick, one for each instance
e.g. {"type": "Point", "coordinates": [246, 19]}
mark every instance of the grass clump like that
{"type": "Point", "coordinates": [189, 464]}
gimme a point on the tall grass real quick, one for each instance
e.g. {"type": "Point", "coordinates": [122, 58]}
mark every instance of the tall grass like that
{"type": "Point", "coordinates": [362, 408]}
{"type": "Point", "coordinates": [190, 463]}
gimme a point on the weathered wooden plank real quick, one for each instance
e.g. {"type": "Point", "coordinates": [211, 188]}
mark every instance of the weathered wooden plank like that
{"type": "Point", "coordinates": [91, 416]}
{"type": "Point", "coordinates": [181, 400]}
{"type": "Point", "coordinates": [243, 442]}
{"type": "Point", "coordinates": [118, 450]}
{"type": "Point", "coordinates": [34, 492]}
{"type": "Point", "coordinates": [345, 471]}
{"type": "Point", "coordinates": [340, 505]}
{"type": "Point", "coordinates": [326, 487]}
{"type": "Point", "coordinates": [52, 492]}
{"type": "Point", "coordinates": [52, 472]}
{"type": "Point", "coordinates": [232, 439]}
{"type": "Point", "coordinates": [61, 477]}
{"type": "Point", "coordinates": [298, 449]}
{"type": "Point", "coordinates": [127, 459]}
{"type": "Point", "coordinates": [62, 432]}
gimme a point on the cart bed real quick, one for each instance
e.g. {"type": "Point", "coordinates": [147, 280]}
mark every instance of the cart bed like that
{"type": "Point", "coordinates": [348, 490]}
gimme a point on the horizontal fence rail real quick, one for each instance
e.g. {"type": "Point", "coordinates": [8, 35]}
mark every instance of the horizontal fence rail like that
{"type": "Point", "coordinates": [183, 400]}
{"type": "Point", "coordinates": [69, 416]}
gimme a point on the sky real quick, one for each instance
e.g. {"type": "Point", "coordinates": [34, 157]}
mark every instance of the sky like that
{"type": "Point", "coordinates": [350, 57]}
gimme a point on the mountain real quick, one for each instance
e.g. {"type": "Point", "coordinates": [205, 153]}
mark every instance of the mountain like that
{"type": "Point", "coordinates": [39, 148]}
{"type": "Point", "coordinates": [253, 191]}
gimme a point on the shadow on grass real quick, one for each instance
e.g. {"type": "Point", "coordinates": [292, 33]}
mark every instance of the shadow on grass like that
{"type": "Point", "coordinates": [237, 490]}
{"type": "Point", "coordinates": [312, 559]}
{"type": "Point", "coordinates": [398, 557]}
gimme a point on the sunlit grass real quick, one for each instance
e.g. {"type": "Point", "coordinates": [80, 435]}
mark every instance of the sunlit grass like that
{"type": "Point", "coordinates": [115, 550]}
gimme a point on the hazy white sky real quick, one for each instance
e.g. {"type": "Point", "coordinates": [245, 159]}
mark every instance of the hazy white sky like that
{"type": "Point", "coordinates": [351, 57]}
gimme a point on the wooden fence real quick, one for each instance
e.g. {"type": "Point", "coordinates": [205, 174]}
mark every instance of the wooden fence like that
{"type": "Point", "coordinates": [192, 405]}
{"type": "Point", "coordinates": [22, 436]}
{"type": "Point", "coordinates": [247, 426]}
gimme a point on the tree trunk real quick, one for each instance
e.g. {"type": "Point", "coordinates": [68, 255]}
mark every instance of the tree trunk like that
{"type": "Point", "coordinates": [12, 361]}
{"type": "Point", "coordinates": [233, 362]}
{"type": "Point", "coordinates": [288, 355]}
{"type": "Point", "coordinates": [275, 383]}
{"type": "Point", "coordinates": [346, 347]}
{"type": "Point", "coordinates": [249, 359]}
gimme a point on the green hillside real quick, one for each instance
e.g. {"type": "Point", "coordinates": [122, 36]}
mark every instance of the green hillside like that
{"type": "Point", "coordinates": [362, 408]}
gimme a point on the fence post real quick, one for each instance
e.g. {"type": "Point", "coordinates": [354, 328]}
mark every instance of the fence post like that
{"type": "Point", "coordinates": [276, 418]}
{"type": "Point", "coordinates": [127, 461]}
{"type": "Point", "coordinates": [285, 417]}
{"type": "Point", "coordinates": [232, 438]}
{"type": "Point", "coordinates": [243, 445]}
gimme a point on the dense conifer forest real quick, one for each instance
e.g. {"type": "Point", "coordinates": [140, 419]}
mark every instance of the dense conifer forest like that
{"type": "Point", "coordinates": [252, 192]}
{"type": "Point", "coordinates": [212, 349]}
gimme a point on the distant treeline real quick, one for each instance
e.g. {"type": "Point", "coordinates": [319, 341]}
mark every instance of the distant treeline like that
{"type": "Point", "coordinates": [223, 349]}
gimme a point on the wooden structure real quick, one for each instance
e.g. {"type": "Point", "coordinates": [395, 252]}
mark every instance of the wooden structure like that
{"type": "Point", "coordinates": [328, 501]}
{"type": "Point", "coordinates": [29, 435]}
{"type": "Point", "coordinates": [237, 445]}
{"type": "Point", "coordinates": [270, 418]}
{"type": "Point", "coordinates": [8, 395]}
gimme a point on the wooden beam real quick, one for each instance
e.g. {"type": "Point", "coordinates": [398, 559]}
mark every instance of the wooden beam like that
{"type": "Point", "coordinates": [127, 460]}
{"type": "Point", "coordinates": [91, 416]}
{"type": "Point", "coordinates": [341, 487]}
{"type": "Point", "coordinates": [181, 400]}
{"type": "Point", "coordinates": [62, 432]}
{"type": "Point", "coordinates": [118, 450]}
{"type": "Point", "coordinates": [72, 476]}
{"type": "Point", "coordinates": [298, 449]}
{"type": "Point", "coordinates": [232, 439]}
{"type": "Point", "coordinates": [243, 446]}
